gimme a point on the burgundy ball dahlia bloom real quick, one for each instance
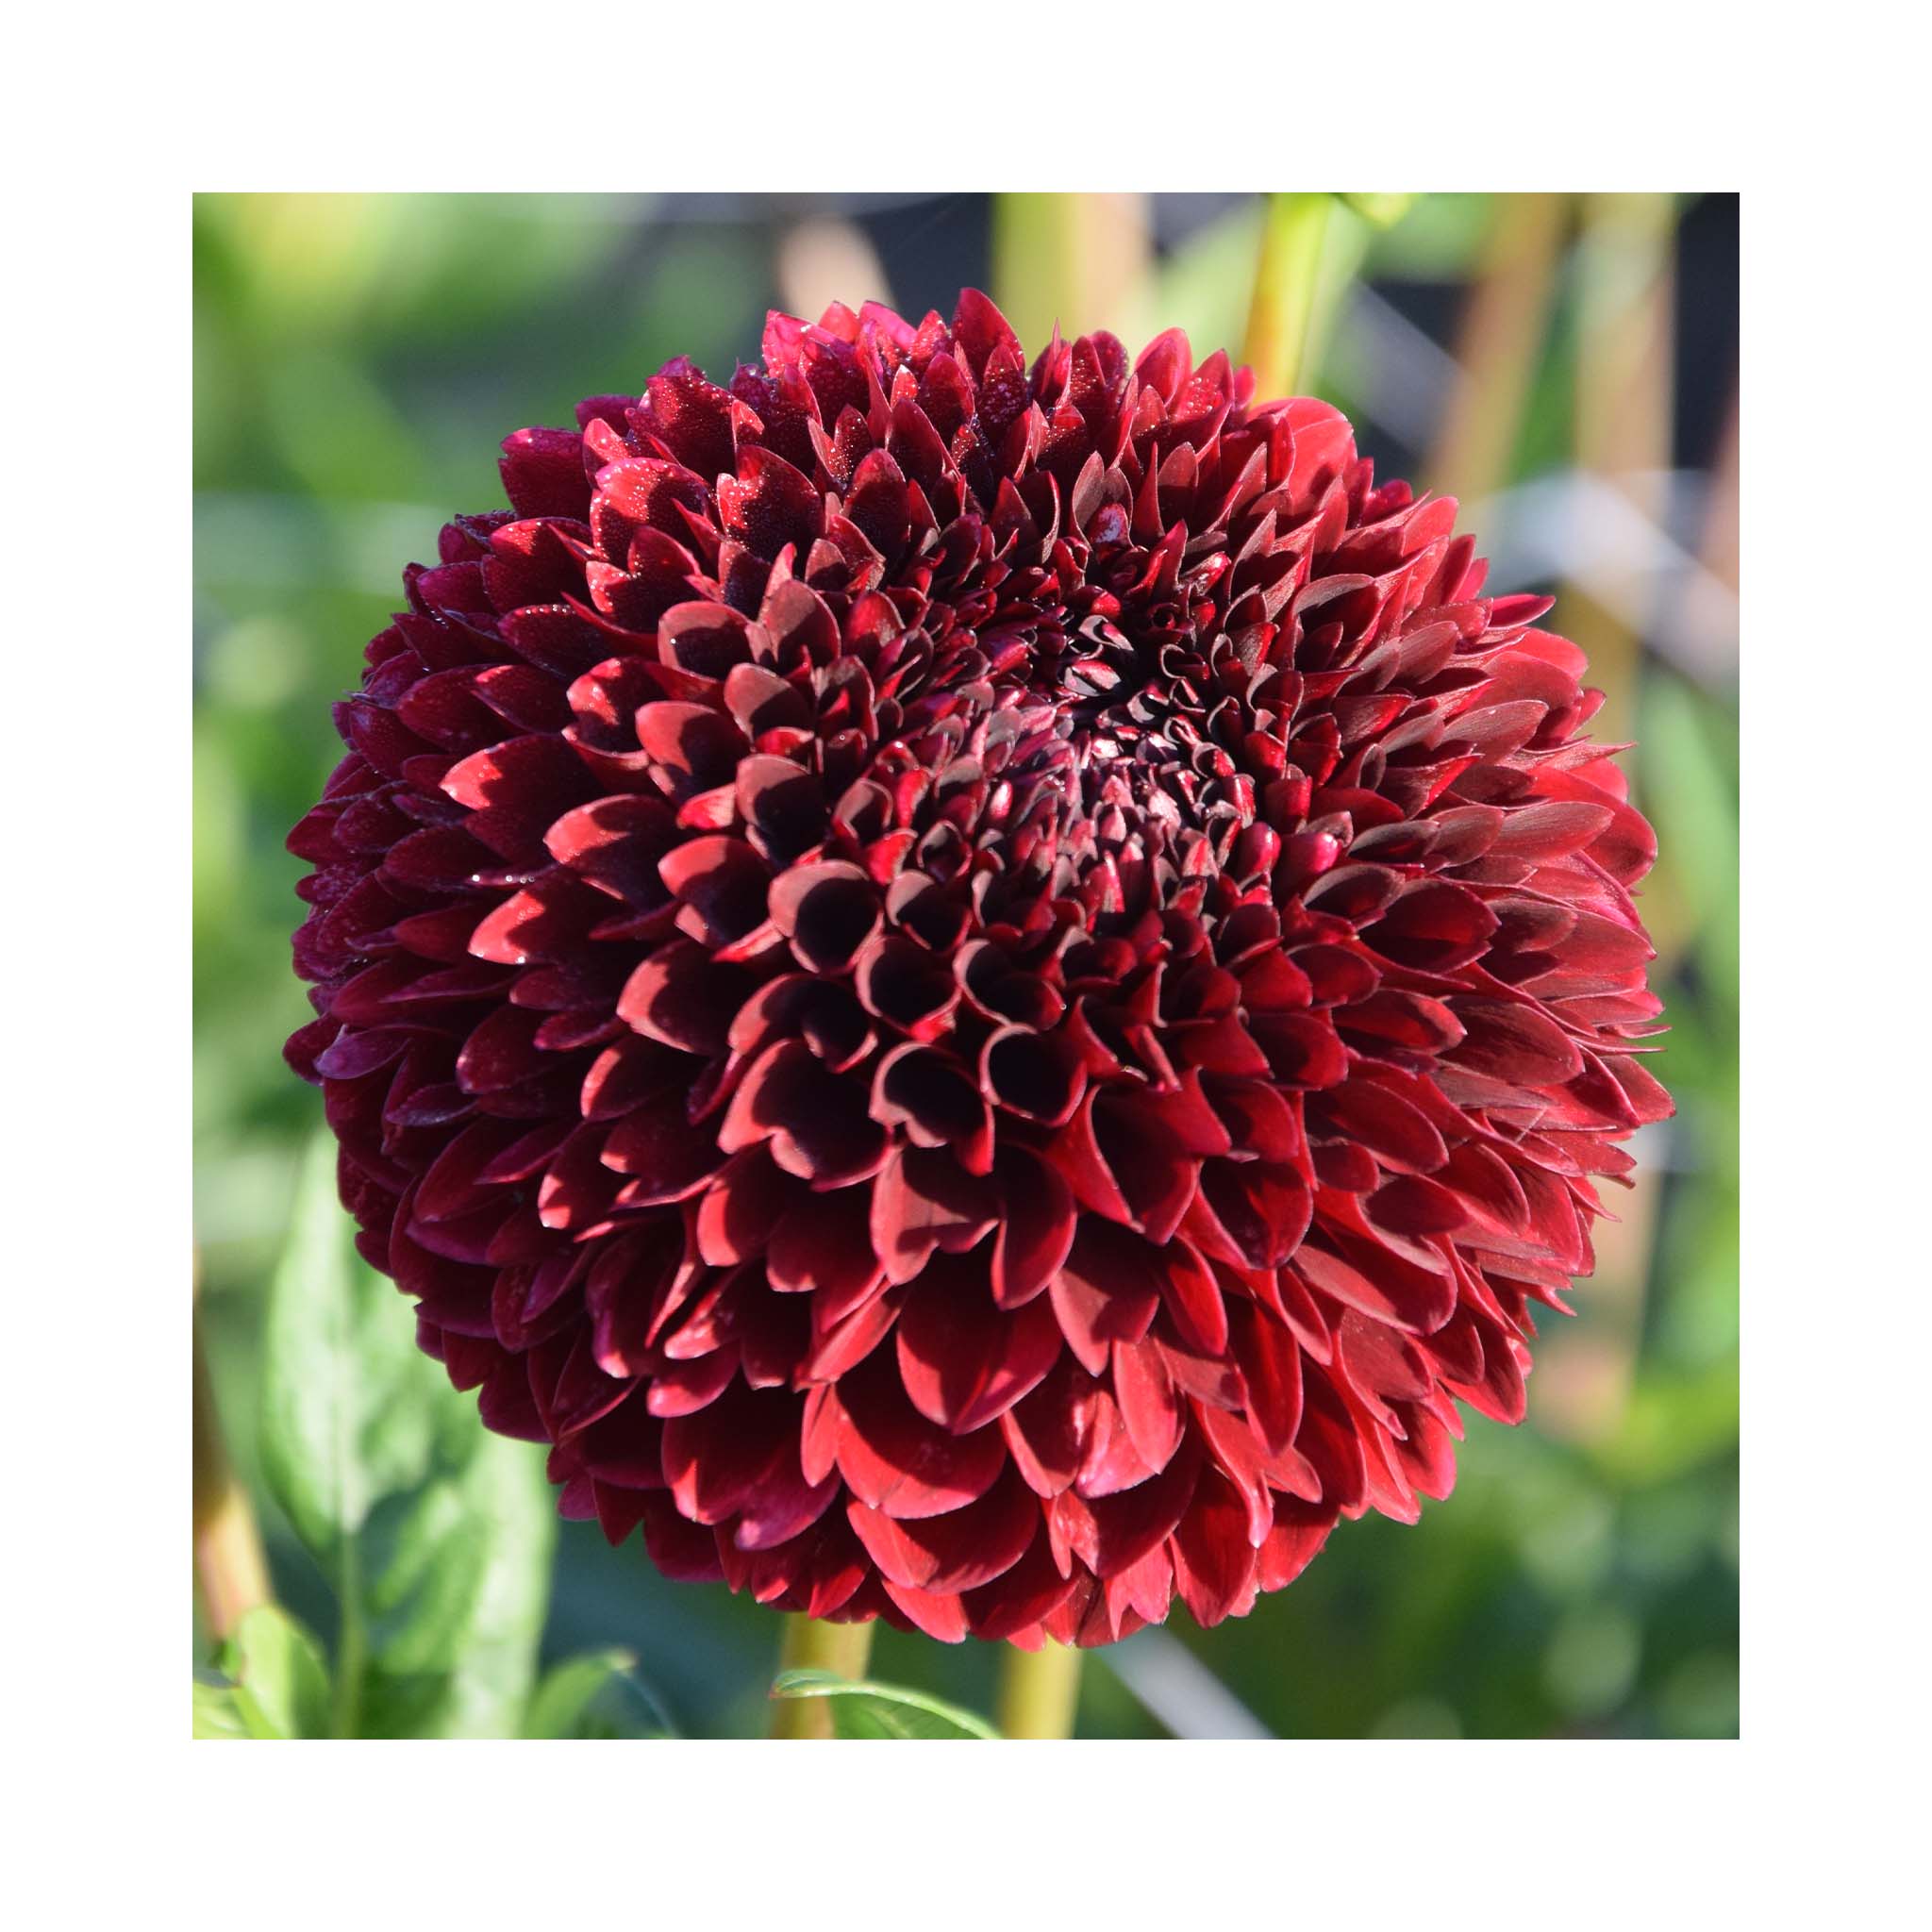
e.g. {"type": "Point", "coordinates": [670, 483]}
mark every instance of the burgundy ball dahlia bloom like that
{"type": "Point", "coordinates": [983, 993]}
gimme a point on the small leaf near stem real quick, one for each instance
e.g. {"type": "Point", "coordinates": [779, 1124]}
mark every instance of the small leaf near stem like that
{"type": "Point", "coordinates": [1293, 227]}
{"type": "Point", "coordinates": [1040, 1691]}
{"type": "Point", "coordinates": [808, 1644]}
{"type": "Point", "coordinates": [865, 1709]}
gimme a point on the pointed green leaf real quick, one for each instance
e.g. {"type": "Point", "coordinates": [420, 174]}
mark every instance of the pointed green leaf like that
{"type": "Point", "coordinates": [276, 1676]}
{"type": "Point", "coordinates": [216, 1712]}
{"type": "Point", "coordinates": [865, 1709]}
{"type": "Point", "coordinates": [345, 1418]}
{"type": "Point", "coordinates": [436, 1535]}
{"type": "Point", "coordinates": [459, 1584]}
{"type": "Point", "coordinates": [596, 1696]}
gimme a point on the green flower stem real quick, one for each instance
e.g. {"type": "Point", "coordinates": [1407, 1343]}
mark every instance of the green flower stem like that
{"type": "Point", "coordinates": [1038, 1692]}
{"type": "Point", "coordinates": [1281, 315]}
{"type": "Point", "coordinates": [811, 1645]}
{"type": "Point", "coordinates": [1077, 259]}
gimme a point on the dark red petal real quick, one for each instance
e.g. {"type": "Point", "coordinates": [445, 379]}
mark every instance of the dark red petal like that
{"type": "Point", "coordinates": [827, 911]}
{"type": "Point", "coordinates": [1399, 1135]}
{"type": "Point", "coordinates": [964, 1549]}
{"type": "Point", "coordinates": [922, 1200]}
{"type": "Point", "coordinates": [1270, 1365]}
{"type": "Point", "coordinates": [1036, 1229]}
{"type": "Point", "coordinates": [896, 1461]}
{"type": "Point", "coordinates": [1214, 1562]}
{"type": "Point", "coordinates": [963, 1360]}
{"type": "Point", "coordinates": [1514, 1043]}
{"type": "Point", "coordinates": [1048, 1431]}
{"type": "Point", "coordinates": [1112, 1534]}
{"type": "Point", "coordinates": [1107, 1291]}
{"type": "Point", "coordinates": [1148, 1402]}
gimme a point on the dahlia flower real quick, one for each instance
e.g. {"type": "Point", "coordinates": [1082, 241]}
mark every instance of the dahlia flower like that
{"type": "Point", "coordinates": [983, 992]}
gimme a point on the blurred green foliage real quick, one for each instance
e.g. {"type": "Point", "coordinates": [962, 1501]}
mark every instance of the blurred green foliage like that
{"type": "Point", "coordinates": [357, 361]}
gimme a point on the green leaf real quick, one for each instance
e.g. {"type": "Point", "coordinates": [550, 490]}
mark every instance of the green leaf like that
{"type": "Point", "coordinates": [435, 1534]}
{"type": "Point", "coordinates": [599, 1695]}
{"type": "Point", "coordinates": [217, 1714]}
{"type": "Point", "coordinates": [456, 1600]}
{"type": "Point", "coordinates": [276, 1679]}
{"type": "Point", "coordinates": [882, 1710]}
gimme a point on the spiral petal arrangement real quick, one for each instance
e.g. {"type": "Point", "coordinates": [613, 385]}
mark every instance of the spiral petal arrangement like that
{"type": "Point", "coordinates": [984, 992]}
